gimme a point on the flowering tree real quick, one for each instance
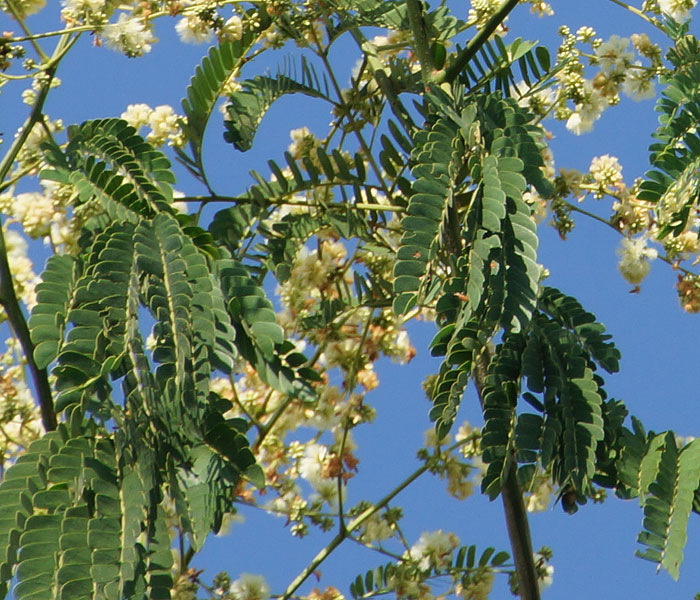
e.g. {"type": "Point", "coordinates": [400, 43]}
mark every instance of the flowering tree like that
{"type": "Point", "coordinates": [171, 362]}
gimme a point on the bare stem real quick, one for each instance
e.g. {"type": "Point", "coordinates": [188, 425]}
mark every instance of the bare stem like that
{"type": "Point", "coordinates": [636, 11]}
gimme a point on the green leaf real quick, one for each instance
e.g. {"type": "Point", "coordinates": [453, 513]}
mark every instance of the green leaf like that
{"type": "Point", "coordinates": [247, 107]}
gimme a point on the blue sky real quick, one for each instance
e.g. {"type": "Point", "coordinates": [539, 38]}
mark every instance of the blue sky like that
{"type": "Point", "coordinates": [593, 550]}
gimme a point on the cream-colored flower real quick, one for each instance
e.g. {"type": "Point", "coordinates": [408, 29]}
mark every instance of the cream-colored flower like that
{"type": "Point", "coordinates": [137, 115]}
{"type": "Point", "coordinates": [639, 83]}
{"type": "Point", "coordinates": [193, 30]}
{"type": "Point", "coordinates": [588, 111]}
{"type": "Point", "coordinates": [634, 259]}
{"type": "Point", "coordinates": [606, 172]}
{"type": "Point", "coordinates": [35, 211]}
{"type": "Point", "coordinates": [376, 529]}
{"type": "Point", "coordinates": [22, 268]}
{"type": "Point", "coordinates": [477, 586]}
{"type": "Point", "coordinates": [678, 10]}
{"type": "Point", "coordinates": [232, 30]}
{"type": "Point", "coordinates": [433, 549]}
{"type": "Point", "coordinates": [27, 7]}
{"type": "Point", "coordinates": [250, 587]}
{"type": "Point", "coordinates": [165, 126]}
{"type": "Point", "coordinates": [129, 35]}
{"type": "Point", "coordinates": [312, 464]}
{"type": "Point", "coordinates": [540, 498]}
{"type": "Point", "coordinates": [613, 55]}
{"type": "Point", "coordinates": [89, 10]}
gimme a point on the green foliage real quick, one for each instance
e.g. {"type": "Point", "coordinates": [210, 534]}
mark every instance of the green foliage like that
{"type": "Point", "coordinates": [492, 68]}
{"type": "Point", "coordinates": [671, 184]}
{"type": "Point", "coordinates": [82, 523]}
{"type": "Point", "coordinates": [495, 276]}
{"type": "Point", "coordinates": [462, 565]}
{"type": "Point", "coordinates": [54, 296]}
{"type": "Point", "coordinates": [88, 322]}
{"type": "Point", "coordinates": [206, 87]}
{"type": "Point", "coordinates": [143, 430]}
{"type": "Point", "coordinates": [110, 164]}
{"type": "Point", "coordinates": [437, 160]}
{"type": "Point", "coordinates": [247, 107]}
{"type": "Point", "coordinates": [665, 478]}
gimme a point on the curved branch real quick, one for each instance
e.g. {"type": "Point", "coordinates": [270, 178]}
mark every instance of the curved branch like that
{"type": "Point", "coordinates": [8, 297]}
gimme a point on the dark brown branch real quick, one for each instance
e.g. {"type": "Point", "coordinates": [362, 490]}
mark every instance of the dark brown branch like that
{"type": "Point", "coordinates": [514, 508]}
{"type": "Point", "coordinates": [8, 298]}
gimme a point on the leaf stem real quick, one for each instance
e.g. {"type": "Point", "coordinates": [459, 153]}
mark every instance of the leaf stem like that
{"type": "Point", "coordinates": [421, 44]}
{"type": "Point", "coordinates": [341, 206]}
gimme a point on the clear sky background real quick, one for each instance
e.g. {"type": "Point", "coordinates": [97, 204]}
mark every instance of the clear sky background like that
{"type": "Point", "coordinates": [593, 550]}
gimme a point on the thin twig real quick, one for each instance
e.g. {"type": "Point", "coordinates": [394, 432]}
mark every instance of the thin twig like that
{"type": "Point", "coordinates": [352, 526]}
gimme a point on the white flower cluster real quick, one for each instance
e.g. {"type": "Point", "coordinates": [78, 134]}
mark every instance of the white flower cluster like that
{"type": "Point", "coordinates": [539, 498]}
{"type": "Point", "coordinates": [606, 173]}
{"type": "Point", "coordinates": [162, 120]}
{"type": "Point", "coordinates": [540, 8]}
{"type": "Point", "coordinates": [619, 71]}
{"type": "Point", "coordinates": [93, 12]}
{"type": "Point", "coordinates": [25, 7]}
{"type": "Point", "coordinates": [481, 11]}
{"type": "Point", "coordinates": [587, 111]}
{"type": "Point", "coordinates": [22, 268]}
{"type": "Point", "coordinates": [232, 29]}
{"type": "Point", "coordinates": [477, 586]}
{"type": "Point", "coordinates": [545, 571]}
{"type": "Point", "coordinates": [129, 35]}
{"type": "Point", "coordinates": [41, 214]}
{"type": "Point", "coordinates": [30, 157]}
{"type": "Point", "coordinates": [313, 468]}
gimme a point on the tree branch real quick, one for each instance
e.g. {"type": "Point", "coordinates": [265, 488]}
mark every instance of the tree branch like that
{"type": "Point", "coordinates": [513, 506]}
{"type": "Point", "coordinates": [451, 72]}
{"type": "Point", "coordinates": [8, 297]}
{"type": "Point", "coordinates": [9, 301]}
